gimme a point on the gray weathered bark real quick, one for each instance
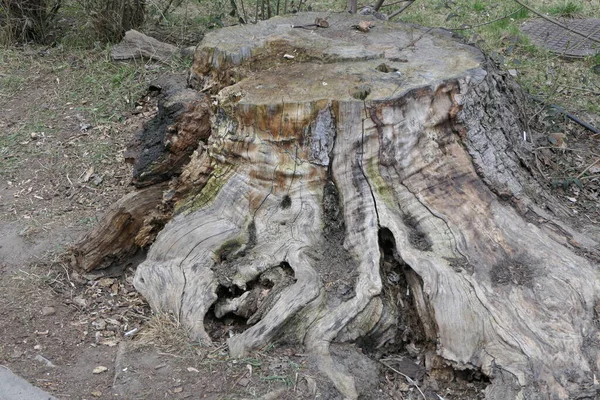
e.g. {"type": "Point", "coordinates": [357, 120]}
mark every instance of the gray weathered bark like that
{"type": "Point", "coordinates": [373, 178]}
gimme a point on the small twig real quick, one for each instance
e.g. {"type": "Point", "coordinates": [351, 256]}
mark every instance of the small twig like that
{"type": "Point", "coordinates": [537, 164]}
{"type": "Point", "coordinates": [558, 148]}
{"type": "Point", "coordinates": [582, 89]}
{"type": "Point", "coordinates": [486, 23]}
{"type": "Point", "coordinates": [169, 354]}
{"type": "Point", "coordinates": [68, 276]}
{"type": "Point", "coordinates": [587, 168]}
{"type": "Point", "coordinates": [589, 177]}
{"type": "Point", "coordinates": [239, 379]}
{"type": "Point", "coordinates": [408, 379]}
{"type": "Point", "coordinates": [567, 114]}
{"type": "Point", "coordinates": [164, 12]}
{"type": "Point", "coordinates": [221, 347]}
{"type": "Point", "coordinates": [394, 3]}
{"type": "Point", "coordinates": [69, 179]}
{"type": "Point", "coordinates": [401, 9]}
{"type": "Point", "coordinates": [576, 45]}
{"type": "Point", "coordinates": [138, 315]}
{"type": "Point", "coordinates": [555, 22]}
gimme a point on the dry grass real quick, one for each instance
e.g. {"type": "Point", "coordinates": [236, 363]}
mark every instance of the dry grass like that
{"type": "Point", "coordinates": [22, 20]}
{"type": "Point", "coordinates": [165, 332]}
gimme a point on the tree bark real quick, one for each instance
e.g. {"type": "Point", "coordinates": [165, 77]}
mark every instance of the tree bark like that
{"type": "Point", "coordinates": [374, 189]}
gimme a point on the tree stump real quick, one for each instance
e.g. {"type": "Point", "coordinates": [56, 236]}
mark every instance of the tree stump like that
{"type": "Point", "coordinates": [373, 187]}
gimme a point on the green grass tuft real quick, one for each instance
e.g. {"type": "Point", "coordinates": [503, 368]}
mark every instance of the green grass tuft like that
{"type": "Point", "coordinates": [478, 6]}
{"type": "Point", "coordinates": [567, 9]}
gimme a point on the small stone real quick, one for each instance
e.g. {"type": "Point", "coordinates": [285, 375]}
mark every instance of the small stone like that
{"type": "Point", "coordinates": [100, 324]}
{"type": "Point", "coordinates": [97, 180]}
{"type": "Point", "coordinates": [100, 369]}
{"type": "Point", "coordinates": [37, 347]}
{"type": "Point", "coordinates": [512, 72]}
{"type": "Point", "coordinates": [46, 311]}
{"type": "Point", "coordinates": [84, 127]}
{"type": "Point", "coordinates": [80, 301]}
{"type": "Point", "coordinates": [244, 382]}
{"type": "Point", "coordinates": [178, 389]}
{"type": "Point", "coordinates": [96, 393]}
{"type": "Point", "coordinates": [44, 360]}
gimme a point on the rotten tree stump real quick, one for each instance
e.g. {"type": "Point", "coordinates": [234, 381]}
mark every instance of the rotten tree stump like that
{"type": "Point", "coordinates": [371, 188]}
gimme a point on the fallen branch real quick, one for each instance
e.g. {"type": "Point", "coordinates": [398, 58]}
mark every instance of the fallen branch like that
{"type": "Point", "coordinates": [567, 114]}
{"type": "Point", "coordinates": [587, 168]}
{"type": "Point", "coordinates": [408, 379]}
{"type": "Point", "coordinates": [486, 23]}
{"type": "Point", "coordinates": [401, 10]}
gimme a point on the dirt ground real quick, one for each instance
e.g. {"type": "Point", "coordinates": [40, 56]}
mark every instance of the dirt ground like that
{"type": "Point", "coordinates": [92, 336]}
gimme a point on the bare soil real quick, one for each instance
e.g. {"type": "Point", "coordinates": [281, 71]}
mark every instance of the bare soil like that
{"type": "Point", "coordinates": [58, 326]}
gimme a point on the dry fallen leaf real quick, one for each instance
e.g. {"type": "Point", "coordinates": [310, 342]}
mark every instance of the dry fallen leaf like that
{"type": "Point", "coordinates": [88, 174]}
{"type": "Point", "coordinates": [106, 282]}
{"type": "Point", "coordinates": [558, 139]}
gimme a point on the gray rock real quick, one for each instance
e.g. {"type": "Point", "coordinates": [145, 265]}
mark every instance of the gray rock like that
{"type": "Point", "coordinates": [46, 311]}
{"type": "Point", "coordinates": [44, 360]}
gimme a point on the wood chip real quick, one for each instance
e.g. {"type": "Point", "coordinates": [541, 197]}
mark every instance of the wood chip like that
{"type": "Point", "coordinates": [99, 369]}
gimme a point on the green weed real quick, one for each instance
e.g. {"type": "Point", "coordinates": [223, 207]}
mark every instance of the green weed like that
{"type": "Point", "coordinates": [567, 9]}
{"type": "Point", "coordinates": [478, 6]}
